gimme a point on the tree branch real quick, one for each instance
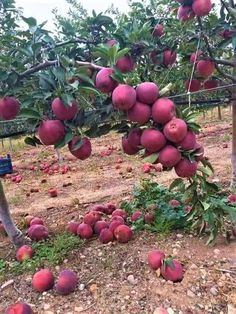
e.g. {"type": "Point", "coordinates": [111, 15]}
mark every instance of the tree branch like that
{"type": "Point", "coordinates": [228, 76]}
{"type": "Point", "coordinates": [71, 41]}
{"type": "Point", "coordinates": [223, 62]}
{"type": "Point", "coordinates": [90, 65]}
{"type": "Point", "coordinates": [37, 68]}
{"type": "Point", "coordinates": [228, 8]}
{"type": "Point", "coordinates": [49, 63]}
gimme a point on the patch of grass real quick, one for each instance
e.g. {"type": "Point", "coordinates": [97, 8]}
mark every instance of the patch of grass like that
{"type": "Point", "coordinates": [15, 200]}
{"type": "Point", "coordinates": [44, 154]}
{"type": "Point", "coordinates": [226, 138]}
{"type": "Point", "coordinates": [18, 144]}
{"type": "Point", "coordinates": [3, 267]}
{"type": "Point", "coordinates": [47, 254]}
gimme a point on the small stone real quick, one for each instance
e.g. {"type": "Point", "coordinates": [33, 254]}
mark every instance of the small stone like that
{"type": "Point", "coordinates": [179, 235]}
{"type": "Point", "coordinates": [81, 287]}
{"type": "Point", "coordinates": [214, 291]}
{"type": "Point", "coordinates": [132, 280]}
{"type": "Point", "coordinates": [193, 266]}
{"type": "Point", "coordinates": [93, 288]}
{"type": "Point", "coordinates": [78, 309]}
{"type": "Point", "coordinates": [175, 251]}
{"type": "Point", "coordinates": [65, 261]}
{"type": "Point", "coordinates": [57, 268]}
{"type": "Point", "coordinates": [157, 310]}
{"type": "Point", "coordinates": [99, 254]}
{"type": "Point", "coordinates": [7, 284]}
{"type": "Point", "coordinates": [46, 307]}
{"type": "Point", "coordinates": [170, 311]}
{"type": "Point", "coordinates": [231, 309]}
{"type": "Point", "coordinates": [48, 312]}
{"type": "Point", "coordinates": [190, 294]}
{"type": "Point", "coordinates": [216, 251]}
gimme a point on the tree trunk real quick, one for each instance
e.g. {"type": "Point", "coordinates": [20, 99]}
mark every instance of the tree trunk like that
{"type": "Point", "coordinates": [219, 113]}
{"type": "Point", "coordinates": [10, 142]}
{"type": "Point", "coordinates": [233, 157]}
{"type": "Point", "coordinates": [12, 231]}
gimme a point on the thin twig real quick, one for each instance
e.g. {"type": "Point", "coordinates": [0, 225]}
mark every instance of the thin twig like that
{"type": "Point", "coordinates": [228, 76]}
{"type": "Point", "coordinates": [226, 271]}
{"type": "Point", "coordinates": [49, 63]}
{"type": "Point", "coordinates": [229, 283]}
{"type": "Point", "coordinates": [90, 65]}
{"type": "Point", "coordinates": [71, 41]}
{"type": "Point", "coordinates": [89, 307]}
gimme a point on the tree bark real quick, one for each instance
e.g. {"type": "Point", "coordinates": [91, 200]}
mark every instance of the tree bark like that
{"type": "Point", "coordinates": [233, 157]}
{"type": "Point", "coordinates": [12, 231]}
{"type": "Point", "coordinates": [219, 113]}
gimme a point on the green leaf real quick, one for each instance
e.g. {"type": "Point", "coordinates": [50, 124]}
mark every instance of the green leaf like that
{"type": "Point", "coordinates": [67, 99]}
{"type": "Point", "coordinates": [59, 73]}
{"type": "Point", "coordinates": [151, 158]}
{"type": "Point", "coordinates": [118, 76]}
{"type": "Point", "coordinates": [234, 42]}
{"type": "Point", "coordinates": [206, 170]}
{"type": "Point", "coordinates": [68, 137]}
{"type": "Point", "coordinates": [32, 141]}
{"type": "Point", "coordinates": [30, 113]}
{"type": "Point", "coordinates": [88, 89]}
{"type": "Point", "coordinates": [231, 211]}
{"type": "Point", "coordinates": [29, 141]}
{"type": "Point", "coordinates": [177, 182]}
{"type": "Point", "coordinates": [205, 205]}
{"type": "Point", "coordinates": [31, 21]}
{"type": "Point", "coordinates": [36, 47]}
{"type": "Point", "coordinates": [122, 53]}
{"type": "Point", "coordinates": [47, 82]}
{"type": "Point", "coordinates": [78, 144]}
{"type": "Point", "coordinates": [85, 78]}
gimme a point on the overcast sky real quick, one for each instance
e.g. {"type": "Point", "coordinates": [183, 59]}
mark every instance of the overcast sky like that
{"type": "Point", "coordinates": [41, 9]}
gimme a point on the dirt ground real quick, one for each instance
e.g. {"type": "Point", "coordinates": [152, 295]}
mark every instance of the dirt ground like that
{"type": "Point", "coordinates": [115, 278]}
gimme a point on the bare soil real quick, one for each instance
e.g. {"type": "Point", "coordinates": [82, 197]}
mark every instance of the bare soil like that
{"type": "Point", "coordinates": [116, 277]}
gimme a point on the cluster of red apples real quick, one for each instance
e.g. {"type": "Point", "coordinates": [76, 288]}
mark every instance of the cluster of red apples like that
{"type": "Point", "coordinates": [37, 230]}
{"type": "Point", "coordinates": [105, 221]}
{"type": "Point", "coordinates": [44, 280]}
{"type": "Point", "coordinates": [170, 269]}
{"type": "Point", "coordinates": [191, 8]}
{"type": "Point", "coordinates": [167, 137]}
{"type": "Point", "coordinates": [205, 68]}
{"type": "Point", "coordinates": [52, 132]}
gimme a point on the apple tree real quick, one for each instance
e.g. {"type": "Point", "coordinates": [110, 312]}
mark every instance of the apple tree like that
{"type": "Point", "coordinates": [123, 73]}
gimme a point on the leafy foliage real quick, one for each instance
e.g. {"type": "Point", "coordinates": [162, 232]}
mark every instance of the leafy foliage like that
{"type": "Point", "coordinates": [154, 198]}
{"type": "Point", "coordinates": [211, 211]}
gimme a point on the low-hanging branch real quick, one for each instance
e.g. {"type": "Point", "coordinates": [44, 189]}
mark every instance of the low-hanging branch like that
{"type": "Point", "coordinates": [72, 41]}
{"type": "Point", "coordinates": [48, 63]}
{"type": "Point", "coordinates": [228, 76]}
{"type": "Point", "coordinates": [223, 62]}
